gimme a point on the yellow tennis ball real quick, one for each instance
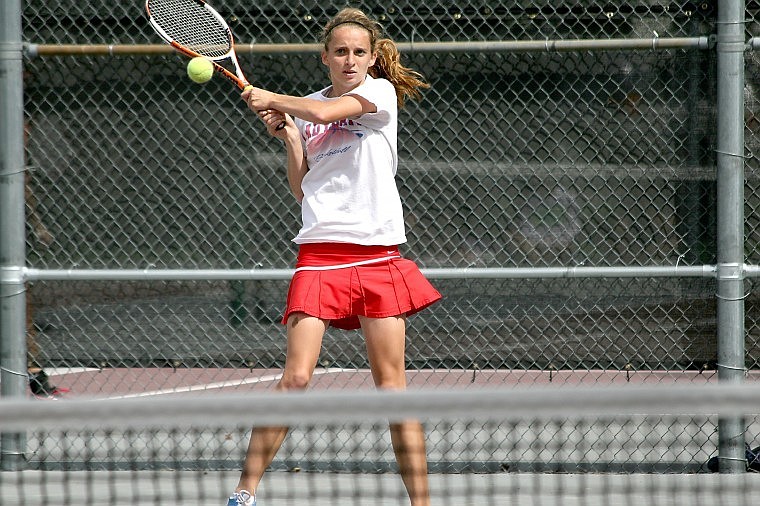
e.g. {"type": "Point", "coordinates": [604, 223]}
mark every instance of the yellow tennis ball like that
{"type": "Point", "coordinates": [200, 70]}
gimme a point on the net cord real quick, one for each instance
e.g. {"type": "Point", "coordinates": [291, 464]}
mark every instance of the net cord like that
{"type": "Point", "coordinates": [267, 408]}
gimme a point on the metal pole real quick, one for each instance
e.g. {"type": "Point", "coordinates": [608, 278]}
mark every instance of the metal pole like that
{"type": "Point", "coordinates": [498, 46]}
{"type": "Point", "coordinates": [658, 271]}
{"type": "Point", "coordinates": [730, 175]}
{"type": "Point", "coordinates": [13, 376]}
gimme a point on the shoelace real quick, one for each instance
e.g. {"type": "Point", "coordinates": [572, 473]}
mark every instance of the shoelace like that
{"type": "Point", "coordinates": [243, 497]}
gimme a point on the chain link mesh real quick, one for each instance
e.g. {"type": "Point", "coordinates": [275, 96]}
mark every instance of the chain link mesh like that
{"type": "Point", "coordinates": [511, 159]}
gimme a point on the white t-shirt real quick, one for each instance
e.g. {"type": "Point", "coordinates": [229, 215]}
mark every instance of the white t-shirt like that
{"type": "Point", "coordinates": [350, 192]}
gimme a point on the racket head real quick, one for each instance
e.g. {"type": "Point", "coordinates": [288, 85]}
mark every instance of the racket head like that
{"type": "Point", "coordinates": [195, 28]}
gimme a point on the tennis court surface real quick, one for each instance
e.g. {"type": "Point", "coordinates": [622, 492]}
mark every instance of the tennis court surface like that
{"type": "Point", "coordinates": [160, 381]}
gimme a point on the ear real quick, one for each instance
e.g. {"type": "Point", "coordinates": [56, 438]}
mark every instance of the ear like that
{"type": "Point", "coordinates": [373, 60]}
{"type": "Point", "coordinates": [324, 58]}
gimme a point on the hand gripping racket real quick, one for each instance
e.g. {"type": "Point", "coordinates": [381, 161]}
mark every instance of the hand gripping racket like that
{"type": "Point", "coordinates": [194, 28]}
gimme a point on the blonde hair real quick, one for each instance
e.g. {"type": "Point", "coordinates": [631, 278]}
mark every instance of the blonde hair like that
{"type": "Point", "coordinates": [406, 81]}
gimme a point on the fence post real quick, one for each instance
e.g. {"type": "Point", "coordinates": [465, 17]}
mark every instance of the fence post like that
{"type": "Point", "coordinates": [730, 188]}
{"type": "Point", "coordinates": [13, 377]}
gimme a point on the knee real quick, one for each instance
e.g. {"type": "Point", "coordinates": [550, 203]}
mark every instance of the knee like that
{"type": "Point", "coordinates": [296, 381]}
{"type": "Point", "coordinates": [390, 384]}
{"type": "Point", "coordinates": [389, 379]}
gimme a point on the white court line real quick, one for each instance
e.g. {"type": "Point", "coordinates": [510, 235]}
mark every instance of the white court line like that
{"type": "Point", "coordinates": [225, 384]}
{"type": "Point", "coordinates": [60, 371]}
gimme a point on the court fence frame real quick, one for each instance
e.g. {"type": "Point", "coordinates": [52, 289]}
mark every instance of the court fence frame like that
{"type": "Point", "coordinates": [730, 271]}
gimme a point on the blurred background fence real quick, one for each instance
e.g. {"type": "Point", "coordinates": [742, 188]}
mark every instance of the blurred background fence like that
{"type": "Point", "coordinates": [601, 154]}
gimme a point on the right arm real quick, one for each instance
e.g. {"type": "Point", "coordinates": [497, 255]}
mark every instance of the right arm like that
{"type": "Point", "coordinates": [297, 166]}
{"type": "Point", "coordinates": [296, 159]}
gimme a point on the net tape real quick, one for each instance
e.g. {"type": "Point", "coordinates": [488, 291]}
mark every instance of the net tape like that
{"type": "Point", "coordinates": [362, 406]}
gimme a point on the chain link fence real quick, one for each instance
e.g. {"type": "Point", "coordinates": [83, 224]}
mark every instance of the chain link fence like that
{"type": "Point", "coordinates": [521, 158]}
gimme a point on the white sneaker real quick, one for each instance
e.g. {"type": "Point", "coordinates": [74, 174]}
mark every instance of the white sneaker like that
{"type": "Point", "coordinates": [242, 498]}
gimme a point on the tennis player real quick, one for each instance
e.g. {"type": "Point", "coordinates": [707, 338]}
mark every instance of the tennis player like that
{"type": "Point", "coordinates": [341, 145]}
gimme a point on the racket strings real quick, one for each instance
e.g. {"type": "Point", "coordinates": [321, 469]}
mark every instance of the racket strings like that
{"type": "Point", "coordinates": [190, 24]}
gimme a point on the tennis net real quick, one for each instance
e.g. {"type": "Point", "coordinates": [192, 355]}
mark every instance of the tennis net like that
{"type": "Point", "coordinates": [487, 446]}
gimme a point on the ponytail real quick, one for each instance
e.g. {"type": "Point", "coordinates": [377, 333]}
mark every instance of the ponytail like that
{"type": "Point", "coordinates": [388, 65]}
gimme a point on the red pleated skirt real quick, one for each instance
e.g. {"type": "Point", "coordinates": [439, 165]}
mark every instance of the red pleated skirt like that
{"type": "Point", "coordinates": [339, 282]}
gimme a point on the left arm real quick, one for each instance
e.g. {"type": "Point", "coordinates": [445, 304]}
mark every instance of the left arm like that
{"type": "Point", "coordinates": [314, 111]}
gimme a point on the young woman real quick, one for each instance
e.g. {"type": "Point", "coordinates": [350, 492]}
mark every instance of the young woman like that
{"type": "Point", "coordinates": [341, 163]}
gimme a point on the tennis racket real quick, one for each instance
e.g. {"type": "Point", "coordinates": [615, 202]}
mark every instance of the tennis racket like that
{"type": "Point", "coordinates": [194, 28]}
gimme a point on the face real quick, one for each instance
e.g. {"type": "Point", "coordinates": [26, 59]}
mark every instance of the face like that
{"type": "Point", "coordinates": [348, 56]}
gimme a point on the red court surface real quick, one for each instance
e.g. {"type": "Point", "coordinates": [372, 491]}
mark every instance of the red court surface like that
{"type": "Point", "coordinates": [144, 382]}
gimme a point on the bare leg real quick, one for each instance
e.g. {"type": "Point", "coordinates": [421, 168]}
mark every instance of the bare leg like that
{"type": "Point", "coordinates": [304, 343]}
{"type": "Point", "coordinates": [408, 442]}
{"type": "Point", "coordinates": [386, 339]}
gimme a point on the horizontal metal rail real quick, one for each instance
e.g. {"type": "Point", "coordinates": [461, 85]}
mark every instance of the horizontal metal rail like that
{"type": "Point", "coordinates": [504, 404]}
{"type": "Point", "coordinates": [698, 271]}
{"type": "Point", "coordinates": [509, 46]}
